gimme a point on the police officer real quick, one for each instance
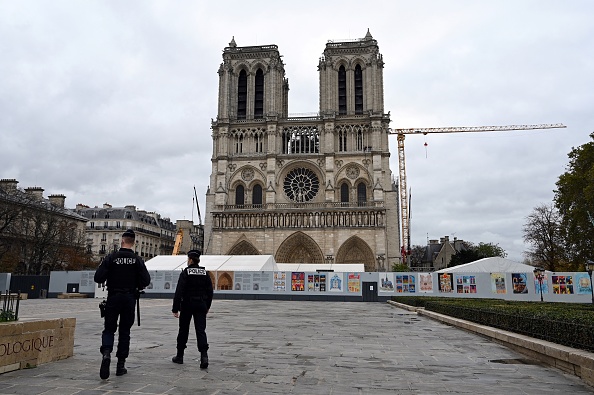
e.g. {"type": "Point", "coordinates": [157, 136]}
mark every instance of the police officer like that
{"type": "Point", "coordinates": [193, 298]}
{"type": "Point", "coordinates": [125, 274]}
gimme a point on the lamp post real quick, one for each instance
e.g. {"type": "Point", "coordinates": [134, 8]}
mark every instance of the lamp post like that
{"type": "Point", "coordinates": [589, 268]}
{"type": "Point", "coordinates": [539, 274]}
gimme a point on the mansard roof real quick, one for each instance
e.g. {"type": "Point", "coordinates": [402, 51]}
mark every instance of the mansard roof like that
{"type": "Point", "coordinates": [123, 213]}
{"type": "Point", "coordinates": [17, 196]}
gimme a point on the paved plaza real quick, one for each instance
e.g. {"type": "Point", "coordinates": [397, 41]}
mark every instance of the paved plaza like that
{"type": "Point", "coordinates": [285, 347]}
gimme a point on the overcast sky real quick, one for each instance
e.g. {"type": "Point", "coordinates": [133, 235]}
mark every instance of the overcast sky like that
{"type": "Point", "coordinates": [112, 101]}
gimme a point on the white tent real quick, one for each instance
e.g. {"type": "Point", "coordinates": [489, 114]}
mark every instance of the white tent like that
{"type": "Point", "coordinates": [490, 265]}
{"type": "Point", "coordinates": [248, 263]}
{"type": "Point", "coordinates": [241, 263]}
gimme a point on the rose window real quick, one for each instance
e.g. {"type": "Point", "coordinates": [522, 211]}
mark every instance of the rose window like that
{"type": "Point", "coordinates": [301, 185]}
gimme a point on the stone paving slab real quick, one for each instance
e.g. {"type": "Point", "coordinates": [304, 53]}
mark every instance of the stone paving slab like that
{"type": "Point", "coordinates": [287, 347]}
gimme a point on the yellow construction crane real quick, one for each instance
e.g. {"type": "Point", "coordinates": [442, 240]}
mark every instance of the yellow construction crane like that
{"type": "Point", "coordinates": [178, 242]}
{"type": "Point", "coordinates": [404, 217]}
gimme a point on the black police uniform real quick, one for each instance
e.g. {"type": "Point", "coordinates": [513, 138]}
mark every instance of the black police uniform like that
{"type": "Point", "coordinates": [125, 273]}
{"type": "Point", "coordinates": [193, 298]}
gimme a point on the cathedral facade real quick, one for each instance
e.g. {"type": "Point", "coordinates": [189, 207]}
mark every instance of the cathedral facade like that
{"type": "Point", "coordinates": [305, 189]}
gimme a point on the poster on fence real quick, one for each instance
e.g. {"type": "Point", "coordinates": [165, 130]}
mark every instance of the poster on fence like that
{"type": "Point", "coordinates": [354, 282]}
{"type": "Point", "coordinates": [498, 283]}
{"type": "Point", "coordinates": [446, 282]}
{"type": "Point", "coordinates": [405, 283]}
{"type": "Point", "coordinates": [316, 282]}
{"type": "Point", "coordinates": [425, 282]}
{"type": "Point", "coordinates": [519, 282]}
{"type": "Point", "coordinates": [466, 284]}
{"type": "Point", "coordinates": [386, 282]}
{"type": "Point", "coordinates": [583, 284]}
{"type": "Point", "coordinates": [335, 282]}
{"type": "Point", "coordinates": [562, 285]}
{"type": "Point", "coordinates": [543, 283]}
{"type": "Point", "coordinates": [298, 281]}
{"type": "Point", "coordinates": [279, 281]}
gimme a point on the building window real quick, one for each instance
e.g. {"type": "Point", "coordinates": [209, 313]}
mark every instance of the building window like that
{"type": "Point", "coordinates": [359, 140]}
{"type": "Point", "coordinates": [344, 193]}
{"type": "Point", "coordinates": [259, 95]}
{"type": "Point", "coordinates": [301, 140]}
{"type": "Point", "coordinates": [259, 137]}
{"type": "Point", "coordinates": [257, 194]}
{"type": "Point", "coordinates": [92, 225]}
{"type": "Point", "coordinates": [242, 95]}
{"type": "Point", "coordinates": [361, 193]}
{"type": "Point", "coordinates": [342, 141]}
{"type": "Point", "coordinates": [104, 237]}
{"type": "Point", "coordinates": [358, 90]}
{"type": "Point", "coordinates": [102, 250]}
{"type": "Point", "coordinates": [342, 98]}
{"type": "Point", "coordinates": [301, 185]}
{"type": "Point", "coordinates": [239, 143]}
{"type": "Point", "coordinates": [239, 195]}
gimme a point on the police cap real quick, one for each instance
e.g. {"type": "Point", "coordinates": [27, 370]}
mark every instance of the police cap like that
{"type": "Point", "coordinates": [195, 254]}
{"type": "Point", "coordinates": [129, 233]}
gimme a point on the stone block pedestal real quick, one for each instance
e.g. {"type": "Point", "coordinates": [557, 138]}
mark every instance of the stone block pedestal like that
{"type": "Point", "coordinates": [30, 343]}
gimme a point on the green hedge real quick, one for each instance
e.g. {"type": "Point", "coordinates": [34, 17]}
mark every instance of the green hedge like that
{"type": "Point", "coordinates": [569, 324]}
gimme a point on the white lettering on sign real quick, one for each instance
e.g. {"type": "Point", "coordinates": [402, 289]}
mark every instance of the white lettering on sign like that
{"type": "Point", "coordinates": [125, 261]}
{"type": "Point", "coordinates": [199, 271]}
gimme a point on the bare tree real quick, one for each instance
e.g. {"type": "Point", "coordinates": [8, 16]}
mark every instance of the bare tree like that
{"type": "Point", "coordinates": [36, 236]}
{"type": "Point", "coordinates": [542, 230]}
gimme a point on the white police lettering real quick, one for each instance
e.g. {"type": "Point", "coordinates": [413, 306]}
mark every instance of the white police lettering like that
{"type": "Point", "coordinates": [199, 271]}
{"type": "Point", "coordinates": [125, 261]}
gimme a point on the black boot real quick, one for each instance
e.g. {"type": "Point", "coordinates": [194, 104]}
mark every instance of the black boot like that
{"type": "Point", "coordinates": [104, 371]}
{"type": "Point", "coordinates": [203, 360]}
{"type": "Point", "coordinates": [120, 369]}
{"type": "Point", "coordinates": [179, 358]}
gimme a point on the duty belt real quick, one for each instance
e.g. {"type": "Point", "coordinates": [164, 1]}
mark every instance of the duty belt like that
{"type": "Point", "coordinates": [121, 290]}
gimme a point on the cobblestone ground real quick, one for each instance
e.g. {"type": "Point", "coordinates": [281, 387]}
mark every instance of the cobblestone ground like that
{"type": "Point", "coordinates": [282, 347]}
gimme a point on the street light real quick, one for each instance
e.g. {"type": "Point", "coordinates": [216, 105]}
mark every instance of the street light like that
{"type": "Point", "coordinates": [539, 274]}
{"type": "Point", "coordinates": [589, 268]}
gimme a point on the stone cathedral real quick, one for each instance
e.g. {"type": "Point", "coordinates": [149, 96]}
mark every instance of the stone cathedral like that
{"type": "Point", "coordinates": [305, 189]}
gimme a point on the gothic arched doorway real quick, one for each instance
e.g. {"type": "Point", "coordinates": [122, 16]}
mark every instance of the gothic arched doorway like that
{"type": "Point", "coordinates": [299, 248]}
{"type": "Point", "coordinates": [225, 282]}
{"type": "Point", "coordinates": [243, 248]}
{"type": "Point", "coordinates": [355, 250]}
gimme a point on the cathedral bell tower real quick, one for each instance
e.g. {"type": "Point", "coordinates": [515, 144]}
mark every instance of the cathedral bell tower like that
{"type": "Point", "coordinates": [315, 189]}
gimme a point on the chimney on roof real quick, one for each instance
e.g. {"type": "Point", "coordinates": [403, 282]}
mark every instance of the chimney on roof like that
{"type": "Point", "coordinates": [8, 184]}
{"type": "Point", "coordinates": [106, 205]}
{"type": "Point", "coordinates": [80, 206]}
{"type": "Point", "coordinates": [57, 200]}
{"type": "Point", "coordinates": [36, 192]}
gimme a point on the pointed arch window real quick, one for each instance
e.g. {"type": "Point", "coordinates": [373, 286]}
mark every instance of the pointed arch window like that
{"type": "Point", "coordinates": [259, 95]}
{"type": "Point", "coordinates": [358, 90]}
{"type": "Point", "coordinates": [257, 194]}
{"type": "Point", "coordinates": [342, 141]}
{"type": "Point", "coordinates": [239, 195]}
{"type": "Point", "coordinates": [342, 98]}
{"type": "Point", "coordinates": [344, 193]}
{"type": "Point", "coordinates": [242, 95]}
{"type": "Point", "coordinates": [361, 194]}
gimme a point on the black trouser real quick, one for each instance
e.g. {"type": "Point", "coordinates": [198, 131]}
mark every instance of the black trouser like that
{"type": "Point", "coordinates": [196, 308]}
{"type": "Point", "coordinates": [118, 305]}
